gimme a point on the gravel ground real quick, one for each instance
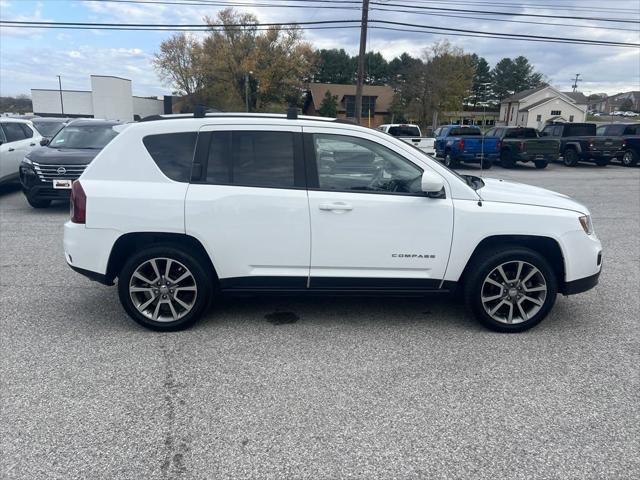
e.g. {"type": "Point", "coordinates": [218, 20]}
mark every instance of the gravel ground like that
{"type": "Point", "coordinates": [354, 388]}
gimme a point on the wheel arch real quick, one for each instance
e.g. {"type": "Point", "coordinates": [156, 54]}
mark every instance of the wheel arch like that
{"type": "Point", "coordinates": [129, 243]}
{"type": "Point", "coordinates": [548, 247]}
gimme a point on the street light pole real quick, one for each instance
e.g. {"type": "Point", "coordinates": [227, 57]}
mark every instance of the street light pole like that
{"type": "Point", "coordinates": [60, 89]}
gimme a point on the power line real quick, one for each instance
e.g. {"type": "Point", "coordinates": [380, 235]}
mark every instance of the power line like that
{"type": "Point", "coordinates": [303, 25]}
{"type": "Point", "coordinates": [344, 5]}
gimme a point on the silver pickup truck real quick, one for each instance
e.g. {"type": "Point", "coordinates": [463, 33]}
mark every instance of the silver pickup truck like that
{"type": "Point", "coordinates": [411, 134]}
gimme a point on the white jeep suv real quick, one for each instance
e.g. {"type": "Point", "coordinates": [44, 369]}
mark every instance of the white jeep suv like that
{"type": "Point", "coordinates": [182, 209]}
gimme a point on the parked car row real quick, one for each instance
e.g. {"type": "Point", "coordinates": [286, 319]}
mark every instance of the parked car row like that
{"type": "Point", "coordinates": [569, 142]}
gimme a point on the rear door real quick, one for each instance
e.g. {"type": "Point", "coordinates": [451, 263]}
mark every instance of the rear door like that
{"type": "Point", "coordinates": [248, 205]}
{"type": "Point", "coordinates": [371, 225]}
{"type": "Point", "coordinates": [18, 143]}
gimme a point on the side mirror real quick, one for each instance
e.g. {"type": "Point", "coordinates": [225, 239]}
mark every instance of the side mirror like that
{"type": "Point", "coordinates": [432, 184]}
{"type": "Point", "coordinates": [44, 142]}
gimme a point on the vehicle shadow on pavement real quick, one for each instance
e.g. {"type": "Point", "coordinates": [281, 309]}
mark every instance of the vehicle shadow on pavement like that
{"type": "Point", "coordinates": [9, 188]}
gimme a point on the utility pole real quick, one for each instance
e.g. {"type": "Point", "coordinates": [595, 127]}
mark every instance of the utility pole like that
{"type": "Point", "coordinates": [60, 89]}
{"type": "Point", "coordinates": [575, 82]}
{"type": "Point", "coordinates": [246, 88]}
{"type": "Point", "coordinates": [361, 54]}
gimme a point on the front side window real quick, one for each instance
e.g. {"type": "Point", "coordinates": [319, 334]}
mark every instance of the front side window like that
{"type": "Point", "coordinates": [357, 165]}
{"type": "Point", "coordinates": [173, 153]}
{"type": "Point", "coordinates": [252, 158]}
{"type": "Point", "coordinates": [13, 132]}
{"type": "Point", "coordinates": [89, 137]}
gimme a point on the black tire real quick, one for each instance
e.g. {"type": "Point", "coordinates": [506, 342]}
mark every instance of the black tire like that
{"type": "Point", "coordinates": [506, 159]}
{"type": "Point", "coordinates": [570, 157]}
{"type": "Point", "coordinates": [602, 162]}
{"type": "Point", "coordinates": [449, 161]}
{"type": "Point", "coordinates": [38, 203]}
{"type": "Point", "coordinates": [485, 263]}
{"type": "Point", "coordinates": [540, 164]}
{"type": "Point", "coordinates": [203, 280]}
{"type": "Point", "coordinates": [629, 158]}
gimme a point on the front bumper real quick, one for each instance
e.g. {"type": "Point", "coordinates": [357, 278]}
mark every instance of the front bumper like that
{"type": "Point", "coordinates": [580, 285]}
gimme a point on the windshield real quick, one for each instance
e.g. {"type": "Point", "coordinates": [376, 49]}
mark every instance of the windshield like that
{"type": "Point", "coordinates": [47, 128]}
{"type": "Point", "coordinates": [404, 131]}
{"type": "Point", "coordinates": [93, 137]}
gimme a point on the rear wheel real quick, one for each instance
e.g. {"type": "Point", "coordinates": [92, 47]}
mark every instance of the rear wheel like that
{"type": "Point", "coordinates": [570, 157]}
{"type": "Point", "coordinates": [449, 161]}
{"type": "Point", "coordinates": [629, 158]}
{"type": "Point", "coordinates": [164, 288]}
{"type": "Point", "coordinates": [541, 164]}
{"type": "Point", "coordinates": [511, 289]}
{"type": "Point", "coordinates": [38, 203]}
{"type": "Point", "coordinates": [506, 159]}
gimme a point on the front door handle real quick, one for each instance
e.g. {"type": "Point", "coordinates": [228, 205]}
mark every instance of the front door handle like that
{"type": "Point", "coordinates": [32, 144]}
{"type": "Point", "coordinates": [12, 149]}
{"type": "Point", "coordinates": [336, 207]}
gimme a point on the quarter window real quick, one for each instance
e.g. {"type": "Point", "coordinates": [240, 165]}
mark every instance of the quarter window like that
{"type": "Point", "coordinates": [358, 165]}
{"type": "Point", "coordinates": [13, 132]}
{"type": "Point", "coordinates": [28, 133]}
{"type": "Point", "coordinates": [173, 153]}
{"type": "Point", "coordinates": [252, 158]}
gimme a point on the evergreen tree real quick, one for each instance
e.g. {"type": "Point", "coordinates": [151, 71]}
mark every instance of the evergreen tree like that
{"type": "Point", "coordinates": [329, 105]}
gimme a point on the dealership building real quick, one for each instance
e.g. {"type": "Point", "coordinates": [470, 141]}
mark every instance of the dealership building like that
{"type": "Point", "coordinates": [110, 98]}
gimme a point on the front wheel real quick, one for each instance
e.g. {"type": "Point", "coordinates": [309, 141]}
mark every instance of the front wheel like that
{"type": "Point", "coordinates": [164, 288]}
{"type": "Point", "coordinates": [511, 289]}
{"type": "Point", "coordinates": [629, 158]}
{"type": "Point", "coordinates": [38, 203]}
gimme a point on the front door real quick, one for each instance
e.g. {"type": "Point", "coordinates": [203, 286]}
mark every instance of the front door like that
{"type": "Point", "coordinates": [250, 208]}
{"type": "Point", "coordinates": [371, 225]}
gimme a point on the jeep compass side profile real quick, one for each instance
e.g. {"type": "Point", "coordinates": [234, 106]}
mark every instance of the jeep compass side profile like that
{"type": "Point", "coordinates": [181, 209]}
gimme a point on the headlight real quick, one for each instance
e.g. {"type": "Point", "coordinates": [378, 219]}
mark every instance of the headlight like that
{"type": "Point", "coordinates": [587, 226]}
{"type": "Point", "coordinates": [27, 161]}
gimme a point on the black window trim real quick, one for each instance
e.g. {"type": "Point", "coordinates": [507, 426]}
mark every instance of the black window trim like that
{"type": "Point", "coordinates": [313, 179]}
{"type": "Point", "coordinates": [201, 158]}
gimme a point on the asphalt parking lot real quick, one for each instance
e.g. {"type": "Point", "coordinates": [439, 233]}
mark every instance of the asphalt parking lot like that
{"type": "Point", "coordinates": [342, 388]}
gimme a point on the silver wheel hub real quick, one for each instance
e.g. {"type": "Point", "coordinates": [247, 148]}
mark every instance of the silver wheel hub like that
{"type": "Point", "coordinates": [513, 292]}
{"type": "Point", "coordinates": [163, 289]}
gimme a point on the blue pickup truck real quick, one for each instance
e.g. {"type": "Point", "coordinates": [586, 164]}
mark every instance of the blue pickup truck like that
{"type": "Point", "coordinates": [458, 143]}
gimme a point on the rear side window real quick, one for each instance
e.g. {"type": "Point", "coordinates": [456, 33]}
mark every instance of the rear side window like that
{"type": "Point", "coordinates": [252, 158]}
{"type": "Point", "coordinates": [28, 133]}
{"type": "Point", "coordinates": [632, 130]}
{"type": "Point", "coordinates": [404, 131]}
{"type": "Point", "coordinates": [13, 132]}
{"type": "Point", "coordinates": [580, 130]}
{"type": "Point", "coordinates": [173, 153]}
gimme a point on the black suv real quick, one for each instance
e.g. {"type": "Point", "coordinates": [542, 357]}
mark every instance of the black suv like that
{"type": "Point", "coordinates": [578, 142]}
{"type": "Point", "coordinates": [47, 173]}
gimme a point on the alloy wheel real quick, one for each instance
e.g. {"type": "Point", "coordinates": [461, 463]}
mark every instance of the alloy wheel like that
{"type": "Point", "coordinates": [627, 158]}
{"type": "Point", "coordinates": [163, 289]}
{"type": "Point", "coordinates": [513, 292]}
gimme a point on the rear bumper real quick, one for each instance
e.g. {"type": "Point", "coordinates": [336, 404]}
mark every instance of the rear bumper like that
{"type": "Point", "coordinates": [476, 157]}
{"type": "Point", "coordinates": [94, 276]}
{"type": "Point", "coordinates": [87, 250]}
{"type": "Point", "coordinates": [536, 157]}
{"type": "Point", "coordinates": [580, 285]}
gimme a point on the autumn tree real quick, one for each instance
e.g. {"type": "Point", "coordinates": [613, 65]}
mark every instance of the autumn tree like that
{"type": "Point", "coordinates": [235, 58]}
{"type": "Point", "coordinates": [439, 83]}
{"type": "Point", "coordinates": [179, 64]}
{"type": "Point", "coordinates": [329, 105]}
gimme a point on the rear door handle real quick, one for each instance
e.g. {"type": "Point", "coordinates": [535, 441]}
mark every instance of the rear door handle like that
{"type": "Point", "coordinates": [32, 144]}
{"type": "Point", "coordinates": [336, 207]}
{"type": "Point", "coordinates": [11, 149]}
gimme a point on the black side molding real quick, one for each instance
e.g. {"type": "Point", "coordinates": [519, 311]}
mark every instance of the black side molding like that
{"type": "Point", "coordinates": [580, 285]}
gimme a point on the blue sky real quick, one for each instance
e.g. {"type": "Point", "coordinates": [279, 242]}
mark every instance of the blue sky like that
{"type": "Point", "coordinates": [33, 58]}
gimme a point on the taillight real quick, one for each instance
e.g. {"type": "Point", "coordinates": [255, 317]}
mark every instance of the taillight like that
{"type": "Point", "coordinates": [461, 143]}
{"type": "Point", "coordinates": [78, 203]}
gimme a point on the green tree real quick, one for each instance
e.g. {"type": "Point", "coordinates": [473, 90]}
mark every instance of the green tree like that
{"type": "Point", "coordinates": [335, 66]}
{"type": "Point", "coordinates": [481, 90]}
{"type": "Point", "coordinates": [376, 69]}
{"type": "Point", "coordinates": [329, 105]}
{"type": "Point", "coordinates": [510, 76]}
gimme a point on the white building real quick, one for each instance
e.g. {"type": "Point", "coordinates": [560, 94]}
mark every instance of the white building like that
{"type": "Point", "coordinates": [538, 106]}
{"type": "Point", "coordinates": [110, 98]}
